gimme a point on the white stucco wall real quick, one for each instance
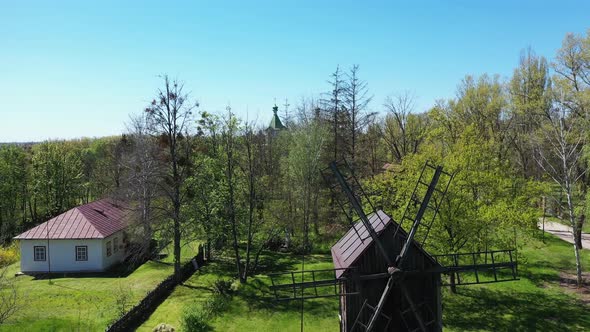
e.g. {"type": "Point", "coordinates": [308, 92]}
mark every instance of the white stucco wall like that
{"type": "Point", "coordinates": [116, 257]}
{"type": "Point", "coordinates": [61, 256]}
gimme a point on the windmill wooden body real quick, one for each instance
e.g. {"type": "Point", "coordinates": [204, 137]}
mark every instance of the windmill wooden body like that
{"type": "Point", "coordinates": [363, 259]}
{"type": "Point", "coordinates": [385, 279]}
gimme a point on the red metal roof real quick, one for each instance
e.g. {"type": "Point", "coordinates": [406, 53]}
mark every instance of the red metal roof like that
{"type": "Point", "coordinates": [350, 247]}
{"type": "Point", "coordinates": [95, 220]}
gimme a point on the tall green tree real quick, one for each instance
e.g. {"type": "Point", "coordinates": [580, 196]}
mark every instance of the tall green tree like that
{"type": "Point", "coordinates": [13, 190]}
{"type": "Point", "coordinates": [57, 172]}
{"type": "Point", "coordinates": [530, 101]}
{"type": "Point", "coordinates": [303, 168]}
{"type": "Point", "coordinates": [231, 182]}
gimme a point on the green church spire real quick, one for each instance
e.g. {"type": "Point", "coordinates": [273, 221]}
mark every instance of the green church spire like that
{"type": "Point", "coordinates": [275, 122]}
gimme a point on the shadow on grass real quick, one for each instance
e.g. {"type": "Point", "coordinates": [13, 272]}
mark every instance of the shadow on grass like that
{"type": "Point", "coordinates": [203, 288]}
{"type": "Point", "coordinates": [162, 263]}
{"type": "Point", "coordinates": [256, 292]}
{"type": "Point", "coordinates": [273, 262]}
{"type": "Point", "coordinates": [121, 270]}
{"type": "Point", "coordinates": [496, 310]}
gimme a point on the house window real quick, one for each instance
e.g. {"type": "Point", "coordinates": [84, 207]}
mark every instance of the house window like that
{"type": "Point", "coordinates": [81, 253]}
{"type": "Point", "coordinates": [109, 249]}
{"type": "Point", "coordinates": [39, 253]}
{"type": "Point", "coordinates": [115, 244]}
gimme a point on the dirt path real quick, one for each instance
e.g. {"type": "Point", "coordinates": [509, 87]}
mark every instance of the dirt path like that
{"type": "Point", "coordinates": [564, 232]}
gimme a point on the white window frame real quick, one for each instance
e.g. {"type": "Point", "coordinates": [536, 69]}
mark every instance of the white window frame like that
{"type": "Point", "coordinates": [81, 253]}
{"type": "Point", "coordinates": [44, 252]}
{"type": "Point", "coordinates": [109, 249]}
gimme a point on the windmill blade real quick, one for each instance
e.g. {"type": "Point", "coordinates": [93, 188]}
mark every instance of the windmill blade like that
{"type": "Point", "coordinates": [423, 206]}
{"type": "Point", "coordinates": [417, 198]}
{"type": "Point", "coordinates": [381, 303]}
{"type": "Point", "coordinates": [417, 317]}
{"type": "Point", "coordinates": [376, 312]}
{"type": "Point", "coordinates": [346, 173]}
{"type": "Point", "coordinates": [479, 267]}
{"type": "Point", "coordinates": [393, 282]}
{"type": "Point", "coordinates": [355, 204]}
{"type": "Point", "coordinates": [414, 309]}
{"type": "Point", "coordinates": [363, 326]}
{"type": "Point", "coordinates": [286, 286]}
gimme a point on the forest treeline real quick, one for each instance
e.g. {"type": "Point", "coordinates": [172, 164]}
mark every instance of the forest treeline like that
{"type": "Point", "coordinates": [243, 187]}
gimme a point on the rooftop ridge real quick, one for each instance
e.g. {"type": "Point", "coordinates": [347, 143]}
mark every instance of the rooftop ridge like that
{"type": "Point", "coordinates": [93, 220]}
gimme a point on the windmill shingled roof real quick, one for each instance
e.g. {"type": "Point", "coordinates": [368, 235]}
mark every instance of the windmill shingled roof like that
{"type": "Point", "coordinates": [350, 247]}
{"type": "Point", "coordinates": [95, 220]}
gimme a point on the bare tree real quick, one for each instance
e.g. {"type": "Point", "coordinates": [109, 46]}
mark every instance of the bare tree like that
{"type": "Point", "coordinates": [356, 101]}
{"type": "Point", "coordinates": [333, 107]}
{"type": "Point", "coordinates": [144, 172]}
{"type": "Point", "coordinates": [558, 151]}
{"type": "Point", "coordinates": [168, 115]}
{"type": "Point", "coordinates": [373, 142]}
{"type": "Point", "coordinates": [404, 131]}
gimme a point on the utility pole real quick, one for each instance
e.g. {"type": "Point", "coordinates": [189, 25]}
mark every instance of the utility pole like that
{"type": "Point", "coordinates": [47, 252]}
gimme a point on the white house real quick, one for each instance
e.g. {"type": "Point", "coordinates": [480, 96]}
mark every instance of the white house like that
{"type": "Point", "coordinates": [87, 238]}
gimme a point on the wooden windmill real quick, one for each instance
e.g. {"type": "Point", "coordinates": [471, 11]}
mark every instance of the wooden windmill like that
{"type": "Point", "coordinates": [385, 279]}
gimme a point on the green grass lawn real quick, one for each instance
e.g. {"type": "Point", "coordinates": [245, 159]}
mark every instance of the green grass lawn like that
{"type": "Point", "coordinates": [251, 307]}
{"type": "Point", "coordinates": [84, 302]}
{"type": "Point", "coordinates": [536, 302]}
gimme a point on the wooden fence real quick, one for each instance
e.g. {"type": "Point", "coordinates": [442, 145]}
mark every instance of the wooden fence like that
{"type": "Point", "coordinates": [142, 311]}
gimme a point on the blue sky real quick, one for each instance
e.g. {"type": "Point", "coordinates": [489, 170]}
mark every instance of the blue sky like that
{"type": "Point", "coordinates": [72, 69]}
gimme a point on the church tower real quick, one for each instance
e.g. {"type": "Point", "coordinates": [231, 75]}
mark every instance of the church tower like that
{"type": "Point", "coordinates": [275, 122]}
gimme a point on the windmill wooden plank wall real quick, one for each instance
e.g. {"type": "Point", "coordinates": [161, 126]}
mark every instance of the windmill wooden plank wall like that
{"type": "Point", "coordinates": [424, 289]}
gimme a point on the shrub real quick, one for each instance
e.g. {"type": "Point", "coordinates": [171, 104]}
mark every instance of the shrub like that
{"type": "Point", "coordinates": [222, 287]}
{"type": "Point", "coordinates": [9, 254]}
{"type": "Point", "coordinates": [123, 299]}
{"type": "Point", "coordinates": [194, 319]}
{"type": "Point", "coordinates": [276, 243]}
{"type": "Point", "coordinates": [215, 305]}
